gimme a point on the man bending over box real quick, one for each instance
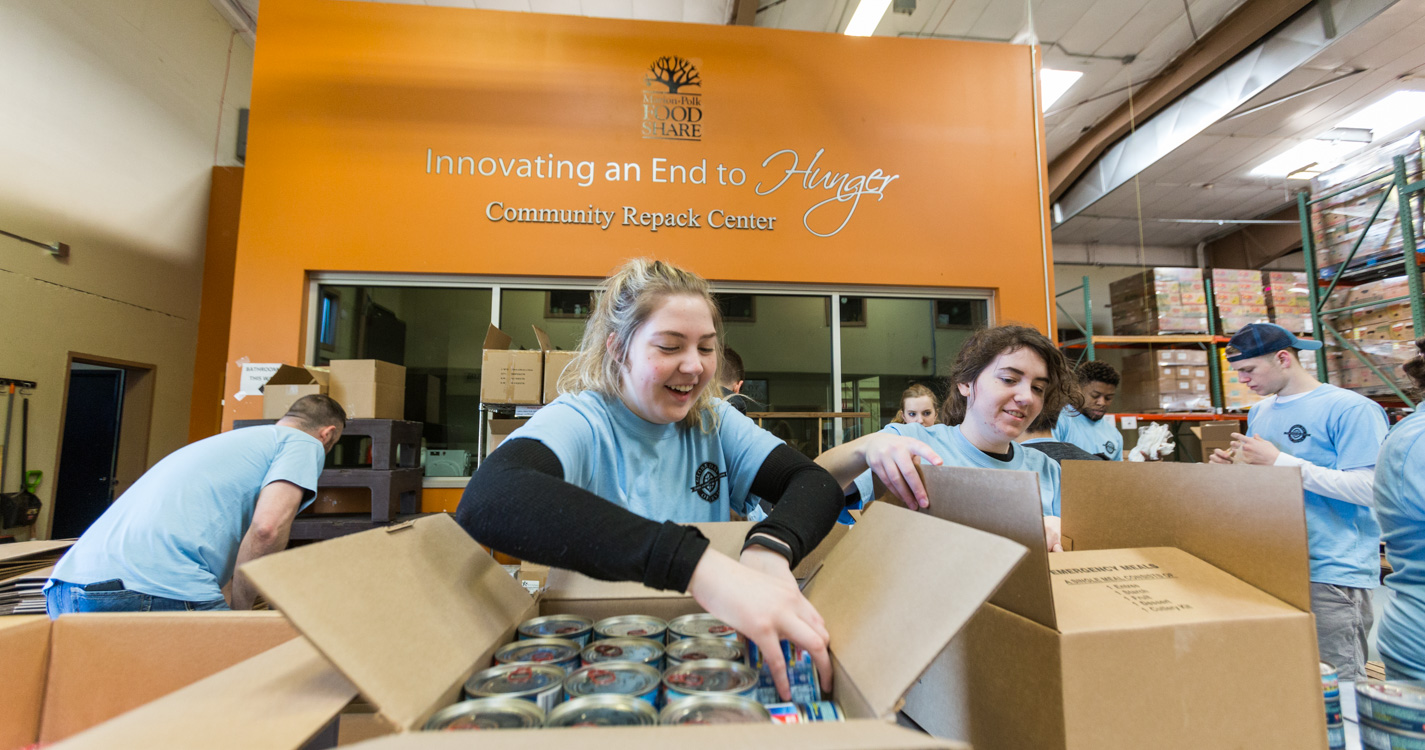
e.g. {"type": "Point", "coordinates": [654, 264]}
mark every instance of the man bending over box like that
{"type": "Point", "coordinates": [1334, 435]}
{"type": "Point", "coordinates": [172, 541]}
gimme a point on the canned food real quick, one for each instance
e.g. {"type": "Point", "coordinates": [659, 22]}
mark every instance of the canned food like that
{"type": "Point", "coordinates": [709, 676]}
{"type": "Point", "coordinates": [561, 652]}
{"type": "Point", "coordinates": [1377, 737]}
{"type": "Point", "coordinates": [1393, 705]}
{"type": "Point", "coordinates": [1330, 685]}
{"type": "Point", "coordinates": [801, 674]}
{"type": "Point", "coordinates": [1336, 737]}
{"type": "Point", "coordinates": [631, 626]}
{"type": "Point", "coordinates": [714, 709]}
{"type": "Point", "coordinates": [804, 713]}
{"type": "Point", "coordinates": [540, 683]}
{"type": "Point", "coordinates": [699, 626]}
{"type": "Point", "coordinates": [639, 650]}
{"type": "Point", "coordinates": [605, 710]}
{"type": "Point", "coordinates": [693, 649]}
{"type": "Point", "coordinates": [487, 713]}
{"type": "Point", "coordinates": [616, 677]}
{"type": "Point", "coordinates": [572, 627]}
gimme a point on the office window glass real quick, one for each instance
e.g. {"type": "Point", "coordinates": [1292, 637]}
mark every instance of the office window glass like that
{"type": "Point", "coordinates": [786, 351]}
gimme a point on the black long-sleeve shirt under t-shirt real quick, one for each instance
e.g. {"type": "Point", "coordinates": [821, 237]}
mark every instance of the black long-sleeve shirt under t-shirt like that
{"type": "Point", "coordinates": [519, 504]}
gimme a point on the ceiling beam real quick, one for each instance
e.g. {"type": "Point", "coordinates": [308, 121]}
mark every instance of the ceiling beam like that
{"type": "Point", "coordinates": [1256, 245]}
{"type": "Point", "coordinates": [1238, 31]}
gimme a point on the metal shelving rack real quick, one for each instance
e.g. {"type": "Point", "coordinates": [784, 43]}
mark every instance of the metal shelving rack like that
{"type": "Point", "coordinates": [1409, 262]}
{"type": "Point", "coordinates": [1209, 341]}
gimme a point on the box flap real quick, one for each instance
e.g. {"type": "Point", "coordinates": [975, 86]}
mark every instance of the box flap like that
{"type": "Point", "coordinates": [1152, 587]}
{"type": "Point", "coordinates": [857, 734]}
{"type": "Point", "coordinates": [297, 375]}
{"type": "Point", "coordinates": [406, 612]}
{"type": "Point", "coordinates": [1246, 520]}
{"type": "Point", "coordinates": [497, 339]}
{"type": "Point", "coordinates": [1004, 503]}
{"type": "Point", "coordinates": [887, 618]}
{"type": "Point", "coordinates": [542, 338]}
{"type": "Point", "coordinates": [277, 699]}
{"type": "Point", "coordinates": [24, 640]}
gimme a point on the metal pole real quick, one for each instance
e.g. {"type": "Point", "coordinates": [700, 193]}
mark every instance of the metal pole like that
{"type": "Point", "coordinates": [1412, 264]}
{"type": "Point", "coordinates": [1088, 322]}
{"type": "Point", "coordinates": [1308, 253]}
{"type": "Point", "coordinates": [1213, 370]}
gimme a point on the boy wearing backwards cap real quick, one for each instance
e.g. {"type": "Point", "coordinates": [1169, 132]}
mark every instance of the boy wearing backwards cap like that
{"type": "Point", "coordinates": [1334, 436]}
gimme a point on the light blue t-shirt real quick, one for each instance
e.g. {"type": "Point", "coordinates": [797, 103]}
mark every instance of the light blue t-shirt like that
{"type": "Point", "coordinates": [955, 449]}
{"type": "Point", "coordinates": [1334, 429]}
{"type": "Point", "coordinates": [1400, 505]}
{"type": "Point", "coordinates": [175, 533]}
{"type": "Point", "coordinates": [1094, 436]}
{"type": "Point", "coordinates": [663, 472]}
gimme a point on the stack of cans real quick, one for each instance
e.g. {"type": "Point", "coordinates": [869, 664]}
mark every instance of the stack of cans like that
{"type": "Point", "coordinates": [1392, 714]}
{"type": "Point", "coordinates": [1331, 694]}
{"type": "Point", "coordinates": [569, 671]}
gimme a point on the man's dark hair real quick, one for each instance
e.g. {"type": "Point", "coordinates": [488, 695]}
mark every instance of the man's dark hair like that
{"type": "Point", "coordinates": [732, 371]}
{"type": "Point", "coordinates": [317, 411]}
{"type": "Point", "coordinates": [1046, 421]}
{"type": "Point", "coordinates": [1097, 372]}
{"type": "Point", "coordinates": [981, 349]}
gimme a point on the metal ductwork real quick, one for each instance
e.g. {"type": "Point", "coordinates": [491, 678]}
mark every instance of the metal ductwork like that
{"type": "Point", "coordinates": [1279, 53]}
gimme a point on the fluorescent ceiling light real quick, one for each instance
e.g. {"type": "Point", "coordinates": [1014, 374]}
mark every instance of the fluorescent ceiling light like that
{"type": "Point", "coordinates": [1389, 114]}
{"type": "Point", "coordinates": [1318, 154]}
{"type": "Point", "coordinates": [867, 17]}
{"type": "Point", "coordinates": [1054, 84]}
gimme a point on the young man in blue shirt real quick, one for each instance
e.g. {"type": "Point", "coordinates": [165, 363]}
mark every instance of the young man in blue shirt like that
{"type": "Point", "coordinates": [1087, 429]}
{"type": "Point", "coordinates": [1334, 436]}
{"type": "Point", "coordinates": [174, 539]}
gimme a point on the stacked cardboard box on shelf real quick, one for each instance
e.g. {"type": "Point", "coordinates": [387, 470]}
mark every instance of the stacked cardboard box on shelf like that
{"type": "Point", "coordinates": [1337, 223]}
{"type": "Point", "coordinates": [1165, 380]}
{"type": "Point", "coordinates": [1159, 300]}
{"type": "Point", "coordinates": [1288, 299]}
{"type": "Point", "coordinates": [1383, 332]}
{"type": "Point", "coordinates": [1240, 298]}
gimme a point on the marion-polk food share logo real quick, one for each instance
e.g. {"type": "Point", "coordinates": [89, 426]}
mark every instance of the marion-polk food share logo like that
{"type": "Point", "coordinates": [672, 100]}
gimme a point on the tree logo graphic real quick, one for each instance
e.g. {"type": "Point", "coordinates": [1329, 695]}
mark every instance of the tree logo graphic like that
{"type": "Point", "coordinates": [673, 99]}
{"type": "Point", "coordinates": [673, 72]}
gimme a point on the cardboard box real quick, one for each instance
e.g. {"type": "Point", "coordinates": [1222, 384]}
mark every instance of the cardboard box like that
{"type": "Point", "coordinates": [1215, 435]}
{"type": "Point", "coordinates": [369, 388]}
{"type": "Point", "coordinates": [1180, 619]}
{"type": "Point", "coordinates": [554, 364]}
{"type": "Point", "coordinates": [501, 429]}
{"type": "Point", "coordinates": [64, 676]}
{"type": "Point", "coordinates": [409, 612]}
{"type": "Point", "coordinates": [512, 376]}
{"type": "Point", "coordinates": [290, 383]}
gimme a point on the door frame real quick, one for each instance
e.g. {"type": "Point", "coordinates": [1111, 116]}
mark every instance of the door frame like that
{"type": "Point", "coordinates": [135, 423]}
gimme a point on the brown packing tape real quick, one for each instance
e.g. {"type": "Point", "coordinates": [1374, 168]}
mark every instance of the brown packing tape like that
{"type": "Point", "coordinates": [291, 687]}
{"type": "Point", "coordinates": [1246, 520]}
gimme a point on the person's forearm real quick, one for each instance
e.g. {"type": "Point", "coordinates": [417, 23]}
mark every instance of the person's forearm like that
{"type": "Point", "coordinates": [254, 545]}
{"type": "Point", "coordinates": [1355, 486]}
{"type": "Point", "coordinates": [845, 462]}
{"type": "Point", "coordinates": [806, 501]}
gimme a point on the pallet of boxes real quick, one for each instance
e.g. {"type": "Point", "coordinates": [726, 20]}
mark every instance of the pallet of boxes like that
{"type": "Point", "coordinates": [1239, 299]}
{"type": "Point", "coordinates": [1289, 299]}
{"type": "Point", "coordinates": [1159, 300]}
{"type": "Point", "coordinates": [373, 476]}
{"type": "Point", "coordinates": [1383, 331]}
{"type": "Point", "coordinates": [1165, 380]}
{"type": "Point", "coordinates": [514, 382]}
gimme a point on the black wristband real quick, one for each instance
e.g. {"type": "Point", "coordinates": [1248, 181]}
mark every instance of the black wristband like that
{"type": "Point", "coordinates": [766, 542]}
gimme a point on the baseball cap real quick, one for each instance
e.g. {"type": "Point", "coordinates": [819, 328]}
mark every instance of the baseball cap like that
{"type": "Point", "coordinates": [1257, 339]}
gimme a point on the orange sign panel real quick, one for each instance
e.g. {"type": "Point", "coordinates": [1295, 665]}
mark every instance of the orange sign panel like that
{"type": "Point", "coordinates": [398, 138]}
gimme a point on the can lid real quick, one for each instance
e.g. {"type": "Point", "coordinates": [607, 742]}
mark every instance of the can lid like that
{"type": "Point", "coordinates": [513, 679]}
{"type": "Point", "coordinates": [711, 676]}
{"type": "Point", "coordinates": [537, 651]}
{"type": "Point", "coordinates": [1404, 693]}
{"type": "Point", "coordinates": [692, 649]}
{"type": "Point", "coordinates": [603, 711]}
{"type": "Point", "coordinates": [724, 708]}
{"type": "Point", "coordinates": [488, 713]}
{"type": "Point", "coordinates": [636, 626]}
{"type": "Point", "coordinates": [617, 677]}
{"type": "Point", "coordinates": [555, 626]}
{"type": "Point", "coordinates": [640, 650]}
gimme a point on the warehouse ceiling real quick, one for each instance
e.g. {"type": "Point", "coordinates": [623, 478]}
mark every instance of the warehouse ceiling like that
{"type": "Point", "coordinates": [1175, 202]}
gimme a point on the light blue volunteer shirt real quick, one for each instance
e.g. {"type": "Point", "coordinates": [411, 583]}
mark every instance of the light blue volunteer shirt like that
{"type": "Point", "coordinates": [175, 533]}
{"type": "Point", "coordinates": [1400, 504]}
{"type": "Point", "coordinates": [1094, 436]}
{"type": "Point", "coordinates": [955, 449]}
{"type": "Point", "coordinates": [663, 472]}
{"type": "Point", "coordinates": [1335, 429]}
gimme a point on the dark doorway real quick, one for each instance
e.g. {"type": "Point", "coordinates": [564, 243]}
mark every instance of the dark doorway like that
{"type": "Point", "coordinates": [89, 454]}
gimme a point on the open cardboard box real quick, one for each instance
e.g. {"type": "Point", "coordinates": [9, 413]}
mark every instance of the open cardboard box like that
{"type": "Point", "coordinates": [509, 376]}
{"type": "Point", "coordinates": [408, 613]}
{"type": "Point", "coordinates": [64, 676]}
{"type": "Point", "coordinates": [1179, 619]}
{"type": "Point", "coordinates": [290, 383]}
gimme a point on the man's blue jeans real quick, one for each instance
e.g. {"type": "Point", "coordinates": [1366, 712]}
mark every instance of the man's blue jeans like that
{"type": "Point", "coordinates": [110, 596]}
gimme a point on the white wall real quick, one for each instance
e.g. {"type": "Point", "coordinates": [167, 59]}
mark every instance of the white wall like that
{"type": "Point", "coordinates": [109, 116]}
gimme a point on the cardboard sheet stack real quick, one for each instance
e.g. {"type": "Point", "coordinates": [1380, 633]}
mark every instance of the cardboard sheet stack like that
{"type": "Point", "coordinates": [1159, 300]}
{"type": "Point", "coordinates": [1165, 380]}
{"type": "Point", "coordinates": [24, 568]}
{"type": "Point", "coordinates": [1240, 299]}
{"type": "Point", "coordinates": [1288, 299]}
